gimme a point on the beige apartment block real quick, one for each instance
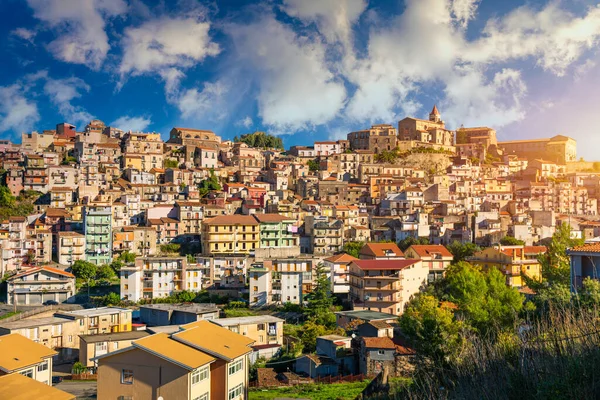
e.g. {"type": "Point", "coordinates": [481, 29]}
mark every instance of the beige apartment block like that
{"type": "Point", "coordinates": [92, 346]}
{"type": "Point", "coordinates": [201, 361]}
{"type": "Point", "coordinates": [70, 247]}
{"type": "Point", "coordinates": [19, 355]}
{"type": "Point", "coordinates": [100, 320]}
{"type": "Point", "coordinates": [36, 285]}
{"type": "Point", "coordinates": [265, 330]}
{"type": "Point", "coordinates": [385, 285]}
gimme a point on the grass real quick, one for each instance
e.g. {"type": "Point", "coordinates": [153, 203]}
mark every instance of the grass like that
{"type": "Point", "coordinates": [320, 391]}
{"type": "Point", "coordinates": [9, 314]}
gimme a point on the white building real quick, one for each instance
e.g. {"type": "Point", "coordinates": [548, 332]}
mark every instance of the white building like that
{"type": "Point", "coordinates": [153, 277]}
{"type": "Point", "coordinates": [37, 285]}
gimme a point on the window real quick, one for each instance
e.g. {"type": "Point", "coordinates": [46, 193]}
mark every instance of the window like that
{"type": "Point", "coordinates": [236, 391]}
{"type": "Point", "coordinates": [236, 366]}
{"type": "Point", "coordinates": [199, 375]}
{"type": "Point", "coordinates": [43, 367]}
{"type": "Point", "coordinates": [381, 352]}
{"type": "Point", "coordinates": [127, 376]}
{"type": "Point", "coordinates": [126, 287]}
{"type": "Point", "coordinates": [28, 373]}
{"type": "Point", "coordinates": [70, 338]}
{"type": "Point", "coordinates": [202, 397]}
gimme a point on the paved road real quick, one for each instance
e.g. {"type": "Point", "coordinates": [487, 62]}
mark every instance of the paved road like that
{"type": "Point", "coordinates": [81, 389]}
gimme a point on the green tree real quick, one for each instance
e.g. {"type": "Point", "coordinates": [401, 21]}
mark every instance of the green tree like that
{"type": "Point", "coordinates": [353, 248]}
{"type": "Point", "coordinates": [116, 266]}
{"type": "Point", "coordinates": [105, 272]}
{"type": "Point", "coordinates": [260, 140]}
{"type": "Point", "coordinates": [170, 163]}
{"type": "Point", "coordinates": [589, 294]}
{"type": "Point", "coordinates": [409, 241]}
{"type": "Point", "coordinates": [320, 300]}
{"type": "Point", "coordinates": [387, 156]}
{"type": "Point", "coordinates": [461, 251]}
{"type": "Point", "coordinates": [111, 299]}
{"type": "Point", "coordinates": [310, 331]}
{"type": "Point", "coordinates": [84, 270]}
{"type": "Point", "coordinates": [127, 257]}
{"type": "Point", "coordinates": [555, 267]}
{"type": "Point", "coordinates": [431, 329]}
{"type": "Point", "coordinates": [511, 241]}
{"type": "Point", "coordinates": [313, 165]}
{"type": "Point", "coordinates": [6, 197]}
{"type": "Point", "coordinates": [209, 184]}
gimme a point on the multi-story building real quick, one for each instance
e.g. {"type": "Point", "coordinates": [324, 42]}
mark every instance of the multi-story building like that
{"type": "Point", "coordinates": [190, 215]}
{"type": "Point", "coordinates": [70, 247]}
{"type": "Point", "coordinates": [385, 285]}
{"type": "Point", "coordinates": [93, 321]}
{"type": "Point", "coordinates": [512, 261]}
{"type": "Point", "coordinates": [201, 361]}
{"type": "Point", "coordinates": [177, 314]}
{"type": "Point", "coordinates": [36, 174]}
{"type": "Point", "coordinates": [230, 234]}
{"type": "Point", "coordinates": [265, 330]}
{"type": "Point", "coordinates": [559, 149]}
{"type": "Point", "coordinates": [148, 146]}
{"type": "Point", "coordinates": [431, 131]}
{"type": "Point", "coordinates": [98, 234]}
{"type": "Point", "coordinates": [92, 346]}
{"type": "Point", "coordinates": [378, 137]}
{"type": "Point", "coordinates": [19, 355]}
{"type": "Point", "coordinates": [260, 285]}
{"type": "Point", "coordinates": [37, 285]}
{"type": "Point", "coordinates": [338, 267]}
{"type": "Point", "coordinates": [153, 277]}
{"type": "Point", "coordinates": [291, 280]}
{"type": "Point", "coordinates": [276, 231]}
{"type": "Point", "coordinates": [434, 256]}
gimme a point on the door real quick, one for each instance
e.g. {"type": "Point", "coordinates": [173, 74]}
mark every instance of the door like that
{"type": "Point", "coordinates": [34, 298]}
{"type": "Point", "coordinates": [21, 299]}
{"type": "Point", "coordinates": [48, 296]}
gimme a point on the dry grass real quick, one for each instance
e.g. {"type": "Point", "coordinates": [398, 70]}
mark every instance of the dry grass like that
{"type": "Point", "coordinates": [556, 357]}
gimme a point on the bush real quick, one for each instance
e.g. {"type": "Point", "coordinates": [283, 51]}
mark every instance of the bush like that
{"type": "Point", "coordinates": [170, 248]}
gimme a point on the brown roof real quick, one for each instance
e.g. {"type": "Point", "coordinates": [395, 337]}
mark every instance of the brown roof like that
{"type": "Point", "coordinates": [57, 212]}
{"type": "Point", "coordinates": [384, 264]}
{"type": "Point", "coordinates": [232, 220]}
{"type": "Point", "coordinates": [271, 218]}
{"type": "Point", "coordinates": [379, 249]}
{"type": "Point", "coordinates": [30, 271]}
{"type": "Point", "coordinates": [587, 248]}
{"type": "Point", "coordinates": [387, 343]}
{"type": "Point", "coordinates": [429, 249]}
{"type": "Point", "coordinates": [341, 258]}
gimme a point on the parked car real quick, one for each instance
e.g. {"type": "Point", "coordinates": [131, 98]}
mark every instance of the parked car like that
{"type": "Point", "coordinates": [50, 303]}
{"type": "Point", "coordinates": [56, 380]}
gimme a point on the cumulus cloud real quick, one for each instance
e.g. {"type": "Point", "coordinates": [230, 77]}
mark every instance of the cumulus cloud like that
{"type": "Point", "coordinates": [79, 26]}
{"type": "Point", "coordinates": [553, 35]}
{"type": "Point", "coordinates": [166, 42]}
{"type": "Point", "coordinates": [17, 112]}
{"type": "Point", "coordinates": [296, 89]}
{"type": "Point", "coordinates": [245, 122]}
{"type": "Point", "coordinates": [25, 34]}
{"type": "Point", "coordinates": [129, 123]}
{"type": "Point", "coordinates": [464, 10]}
{"type": "Point", "coordinates": [62, 92]}
{"type": "Point", "coordinates": [194, 103]}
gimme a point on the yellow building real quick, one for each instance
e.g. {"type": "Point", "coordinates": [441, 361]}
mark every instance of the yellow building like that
{"type": "Point", "coordinates": [560, 149]}
{"type": "Point", "coordinates": [202, 361]}
{"type": "Point", "coordinates": [227, 234]}
{"type": "Point", "coordinates": [511, 261]}
{"type": "Point", "coordinates": [19, 387]}
{"type": "Point", "coordinates": [19, 355]}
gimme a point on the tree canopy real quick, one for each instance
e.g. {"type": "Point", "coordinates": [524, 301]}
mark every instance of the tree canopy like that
{"type": "Point", "coordinates": [461, 251]}
{"type": "Point", "coordinates": [209, 184]}
{"type": "Point", "coordinates": [84, 270]}
{"type": "Point", "coordinates": [409, 241]}
{"type": "Point", "coordinates": [313, 165]}
{"type": "Point", "coordinates": [260, 140]}
{"type": "Point", "coordinates": [353, 248]}
{"type": "Point", "coordinates": [511, 241]}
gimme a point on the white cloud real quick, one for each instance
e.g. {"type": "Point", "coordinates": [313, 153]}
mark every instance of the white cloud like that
{"type": "Point", "coordinates": [334, 18]}
{"type": "Point", "coordinates": [464, 10]}
{"type": "Point", "coordinates": [129, 123]}
{"type": "Point", "coordinates": [62, 92]}
{"type": "Point", "coordinates": [553, 36]}
{"type": "Point", "coordinates": [166, 42]}
{"type": "Point", "coordinates": [25, 34]}
{"type": "Point", "coordinates": [17, 112]}
{"type": "Point", "coordinates": [582, 69]}
{"type": "Point", "coordinates": [296, 89]}
{"type": "Point", "coordinates": [198, 104]}
{"type": "Point", "coordinates": [245, 122]}
{"type": "Point", "coordinates": [80, 28]}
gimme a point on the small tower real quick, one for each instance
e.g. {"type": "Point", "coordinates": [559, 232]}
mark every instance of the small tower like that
{"type": "Point", "coordinates": [434, 115]}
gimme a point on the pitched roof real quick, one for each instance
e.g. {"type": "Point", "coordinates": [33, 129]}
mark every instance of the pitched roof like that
{"type": "Point", "coordinates": [384, 264]}
{"type": "Point", "coordinates": [435, 110]}
{"type": "Point", "coordinates": [429, 249]}
{"type": "Point", "coordinates": [387, 343]}
{"type": "Point", "coordinates": [341, 258]}
{"type": "Point", "coordinates": [380, 249]}
{"type": "Point", "coordinates": [16, 352]}
{"type": "Point", "coordinates": [213, 339]}
{"type": "Point", "coordinates": [587, 248]}
{"type": "Point", "coordinates": [270, 218]}
{"type": "Point", "coordinates": [163, 346]}
{"type": "Point", "coordinates": [20, 387]}
{"type": "Point", "coordinates": [33, 270]}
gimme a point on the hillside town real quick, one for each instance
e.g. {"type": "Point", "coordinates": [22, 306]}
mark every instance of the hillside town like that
{"type": "Point", "coordinates": [178, 268]}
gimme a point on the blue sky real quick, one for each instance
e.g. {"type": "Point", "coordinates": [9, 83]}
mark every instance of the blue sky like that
{"type": "Point", "coordinates": [306, 70]}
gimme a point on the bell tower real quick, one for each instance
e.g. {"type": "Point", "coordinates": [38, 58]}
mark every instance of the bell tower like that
{"type": "Point", "coordinates": [434, 115]}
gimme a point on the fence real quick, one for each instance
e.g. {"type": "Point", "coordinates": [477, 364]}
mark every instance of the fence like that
{"type": "Point", "coordinates": [300, 380]}
{"type": "Point", "coordinates": [40, 310]}
{"type": "Point", "coordinates": [84, 377]}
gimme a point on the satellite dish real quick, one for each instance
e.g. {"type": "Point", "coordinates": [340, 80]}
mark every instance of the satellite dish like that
{"type": "Point", "coordinates": [160, 398]}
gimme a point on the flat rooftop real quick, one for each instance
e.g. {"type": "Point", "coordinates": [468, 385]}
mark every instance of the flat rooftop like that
{"type": "Point", "coordinates": [197, 308]}
{"type": "Point", "coordinates": [95, 312]}
{"type": "Point", "coordinates": [367, 315]}
{"type": "Point", "coordinates": [163, 329]}
{"type": "Point", "coordinates": [32, 323]}
{"type": "Point", "coordinates": [256, 319]}
{"type": "Point", "coordinates": [114, 337]}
